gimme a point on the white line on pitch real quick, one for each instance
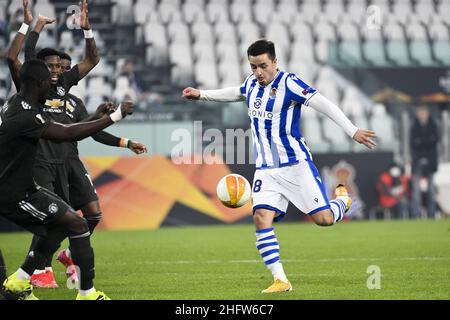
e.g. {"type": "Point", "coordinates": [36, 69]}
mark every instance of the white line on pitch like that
{"type": "Point", "coordinates": [296, 260]}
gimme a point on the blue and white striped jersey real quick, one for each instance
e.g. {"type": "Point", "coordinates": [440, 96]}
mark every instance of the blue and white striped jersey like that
{"type": "Point", "coordinates": [274, 113]}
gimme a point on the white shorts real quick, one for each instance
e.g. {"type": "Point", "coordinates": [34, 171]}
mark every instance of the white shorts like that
{"type": "Point", "coordinates": [300, 184]}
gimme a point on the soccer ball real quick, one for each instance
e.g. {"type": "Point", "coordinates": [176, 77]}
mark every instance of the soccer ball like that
{"type": "Point", "coordinates": [233, 190]}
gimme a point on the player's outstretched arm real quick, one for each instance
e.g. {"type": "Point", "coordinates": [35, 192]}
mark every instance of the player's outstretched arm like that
{"type": "Point", "coordinates": [91, 56]}
{"type": "Point", "coordinates": [232, 94]}
{"type": "Point", "coordinates": [325, 106]}
{"type": "Point", "coordinates": [108, 139]}
{"type": "Point", "coordinates": [58, 132]}
{"type": "Point", "coordinates": [14, 63]}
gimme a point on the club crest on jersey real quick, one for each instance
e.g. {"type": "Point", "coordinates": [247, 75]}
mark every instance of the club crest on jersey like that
{"type": "Point", "coordinates": [258, 103]}
{"type": "Point", "coordinates": [306, 91]}
{"type": "Point", "coordinates": [61, 91]}
{"type": "Point", "coordinates": [273, 93]}
{"type": "Point", "coordinates": [25, 105]}
{"type": "Point", "coordinates": [53, 208]}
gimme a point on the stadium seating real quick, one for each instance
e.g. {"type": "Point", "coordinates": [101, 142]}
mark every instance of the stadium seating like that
{"type": "Point", "coordinates": [396, 45]}
{"type": "Point", "coordinates": [204, 43]}
{"type": "Point", "coordinates": [418, 40]}
{"type": "Point", "coordinates": [338, 140]}
{"type": "Point", "coordinates": [311, 129]}
{"type": "Point", "coordinates": [383, 125]}
{"type": "Point", "coordinates": [350, 48]}
{"type": "Point", "coordinates": [142, 10]}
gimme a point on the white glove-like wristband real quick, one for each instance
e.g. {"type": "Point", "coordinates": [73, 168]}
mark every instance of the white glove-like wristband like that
{"type": "Point", "coordinates": [117, 115]}
{"type": "Point", "coordinates": [88, 34]}
{"type": "Point", "coordinates": [24, 28]}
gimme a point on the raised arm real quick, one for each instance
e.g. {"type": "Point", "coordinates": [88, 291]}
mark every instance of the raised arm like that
{"type": "Point", "coordinates": [14, 63]}
{"type": "Point", "coordinates": [33, 37]}
{"type": "Point", "coordinates": [232, 94]}
{"type": "Point", "coordinates": [60, 133]}
{"type": "Point", "coordinates": [91, 58]}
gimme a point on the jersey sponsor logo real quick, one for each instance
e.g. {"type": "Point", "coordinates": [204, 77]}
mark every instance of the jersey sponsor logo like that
{"type": "Point", "coordinates": [260, 114]}
{"type": "Point", "coordinates": [53, 208]}
{"type": "Point", "coordinates": [51, 110]}
{"type": "Point", "coordinates": [61, 91]}
{"type": "Point", "coordinates": [55, 103]}
{"type": "Point", "coordinates": [258, 103]}
{"type": "Point", "coordinates": [25, 105]}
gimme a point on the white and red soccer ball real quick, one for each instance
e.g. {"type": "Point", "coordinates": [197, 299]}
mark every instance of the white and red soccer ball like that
{"type": "Point", "coordinates": [233, 190]}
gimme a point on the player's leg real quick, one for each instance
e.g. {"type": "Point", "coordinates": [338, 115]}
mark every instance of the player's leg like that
{"type": "Point", "coordinates": [45, 174]}
{"type": "Point", "coordinates": [338, 208]}
{"type": "Point", "coordinates": [43, 209]}
{"type": "Point", "coordinates": [83, 196]}
{"type": "Point", "coordinates": [92, 214]}
{"type": "Point", "coordinates": [36, 213]}
{"type": "Point", "coordinates": [303, 186]}
{"type": "Point", "coordinates": [269, 206]}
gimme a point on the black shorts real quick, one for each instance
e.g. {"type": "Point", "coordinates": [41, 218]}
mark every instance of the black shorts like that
{"type": "Point", "coordinates": [81, 187]}
{"type": "Point", "coordinates": [36, 212]}
{"type": "Point", "coordinates": [52, 177]}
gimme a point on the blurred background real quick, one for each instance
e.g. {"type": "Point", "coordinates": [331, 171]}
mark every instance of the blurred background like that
{"type": "Point", "coordinates": [386, 63]}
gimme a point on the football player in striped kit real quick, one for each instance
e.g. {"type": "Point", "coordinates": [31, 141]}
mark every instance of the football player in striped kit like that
{"type": "Point", "coordinates": [285, 169]}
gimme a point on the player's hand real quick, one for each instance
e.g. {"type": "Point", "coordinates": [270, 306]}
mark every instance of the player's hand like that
{"type": "Point", "coordinates": [191, 93]}
{"type": "Point", "coordinates": [84, 15]}
{"type": "Point", "coordinates": [43, 20]}
{"type": "Point", "coordinates": [364, 137]}
{"type": "Point", "coordinates": [27, 15]}
{"type": "Point", "coordinates": [104, 109]}
{"type": "Point", "coordinates": [137, 147]}
{"type": "Point", "coordinates": [127, 107]}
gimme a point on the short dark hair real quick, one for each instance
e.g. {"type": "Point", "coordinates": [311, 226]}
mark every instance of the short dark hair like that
{"type": "Point", "coordinates": [46, 52]}
{"type": "Point", "coordinates": [65, 56]}
{"type": "Point", "coordinates": [260, 47]}
{"type": "Point", "coordinates": [33, 71]}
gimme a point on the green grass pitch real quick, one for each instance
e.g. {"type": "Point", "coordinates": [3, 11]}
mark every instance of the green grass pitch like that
{"type": "Point", "coordinates": [221, 262]}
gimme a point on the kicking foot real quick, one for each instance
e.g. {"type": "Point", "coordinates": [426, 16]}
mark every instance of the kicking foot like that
{"type": "Point", "coordinates": [342, 193]}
